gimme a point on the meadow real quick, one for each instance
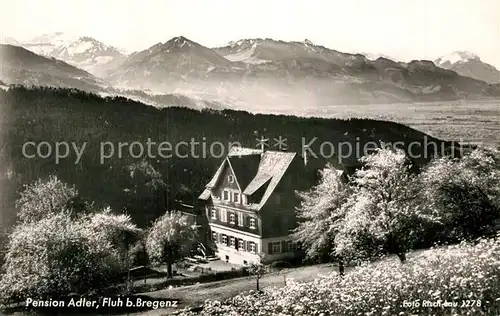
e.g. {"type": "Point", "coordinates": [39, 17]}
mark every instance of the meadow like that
{"type": "Point", "coordinates": [454, 280]}
{"type": "Point", "coordinates": [465, 121]}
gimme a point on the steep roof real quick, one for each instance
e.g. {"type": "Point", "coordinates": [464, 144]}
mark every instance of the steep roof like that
{"type": "Point", "coordinates": [244, 167]}
{"type": "Point", "coordinates": [254, 170]}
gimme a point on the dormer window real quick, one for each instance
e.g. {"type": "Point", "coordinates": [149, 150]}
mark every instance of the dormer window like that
{"type": "Point", "coordinates": [236, 197]}
{"type": "Point", "coordinates": [225, 195]}
{"type": "Point", "coordinates": [230, 178]}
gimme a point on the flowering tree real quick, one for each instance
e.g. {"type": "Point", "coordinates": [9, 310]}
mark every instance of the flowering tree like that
{"type": "Point", "coordinates": [170, 239]}
{"type": "Point", "coordinates": [258, 269]}
{"type": "Point", "coordinates": [120, 232]}
{"type": "Point", "coordinates": [466, 192]}
{"type": "Point", "coordinates": [62, 252]}
{"type": "Point", "coordinates": [117, 229]}
{"type": "Point", "coordinates": [43, 198]}
{"type": "Point", "coordinates": [57, 256]}
{"type": "Point", "coordinates": [383, 215]}
{"type": "Point", "coordinates": [320, 209]}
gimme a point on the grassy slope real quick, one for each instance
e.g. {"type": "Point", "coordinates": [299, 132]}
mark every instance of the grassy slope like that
{"type": "Point", "coordinates": [196, 295]}
{"type": "Point", "coordinates": [467, 275]}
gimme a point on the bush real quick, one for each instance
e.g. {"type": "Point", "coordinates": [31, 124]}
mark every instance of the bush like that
{"type": "Point", "coordinates": [461, 273]}
{"type": "Point", "coordinates": [57, 256]}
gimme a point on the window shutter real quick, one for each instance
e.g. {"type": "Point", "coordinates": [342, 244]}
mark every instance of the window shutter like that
{"type": "Point", "coordinates": [256, 248]}
{"type": "Point", "coordinates": [283, 246]}
{"type": "Point", "coordinates": [270, 248]}
{"type": "Point", "coordinates": [244, 244]}
{"type": "Point", "coordinates": [217, 213]}
{"type": "Point", "coordinates": [248, 245]}
{"type": "Point", "coordinates": [228, 240]}
{"type": "Point", "coordinates": [219, 237]}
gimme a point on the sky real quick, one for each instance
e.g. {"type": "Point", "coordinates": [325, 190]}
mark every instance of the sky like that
{"type": "Point", "coordinates": [402, 29]}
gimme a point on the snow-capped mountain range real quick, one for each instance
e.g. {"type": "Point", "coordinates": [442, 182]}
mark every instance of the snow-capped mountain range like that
{"type": "Point", "coordinates": [469, 64]}
{"type": "Point", "coordinates": [21, 66]}
{"type": "Point", "coordinates": [374, 56]}
{"type": "Point", "coordinates": [456, 57]}
{"type": "Point", "coordinates": [83, 52]}
{"type": "Point", "coordinates": [269, 69]}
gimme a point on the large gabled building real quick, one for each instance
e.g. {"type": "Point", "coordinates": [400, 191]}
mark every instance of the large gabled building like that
{"type": "Point", "coordinates": [251, 204]}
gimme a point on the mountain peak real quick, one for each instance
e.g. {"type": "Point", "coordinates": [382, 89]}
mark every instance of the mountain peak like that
{"type": "Point", "coordinates": [457, 57]}
{"type": "Point", "coordinates": [308, 42]}
{"type": "Point", "coordinates": [179, 41]}
{"type": "Point", "coordinates": [469, 64]}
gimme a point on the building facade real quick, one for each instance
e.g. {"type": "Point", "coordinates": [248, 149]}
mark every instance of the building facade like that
{"type": "Point", "coordinates": [251, 202]}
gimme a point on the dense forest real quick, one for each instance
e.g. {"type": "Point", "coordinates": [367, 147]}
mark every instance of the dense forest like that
{"type": "Point", "coordinates": [60, 115]}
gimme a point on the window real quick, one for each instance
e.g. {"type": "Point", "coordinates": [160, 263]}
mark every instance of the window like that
{"type": "Point", "coordinates": [232, 218]}
{"type": "Point", "coordinates": [225, 195]}
{"type": "Point", "coordinates": [252, 223]}
{"type": "Point", "coordinates": [214, 236]}
{"type": "Point", "coordinates": [252, 247]}
{"type": "Point", "coordinates": [240, 219]}
{"type": "Point", "coordinates": [292, 247]}
{"type": "Point", "coordinates": [276, 247]}
{"type": "Point", "coordinates": [223, 215]}
{"type": "Point", "coordinates": [230, 178]}
{"type": "Point", "coordinates": [232, 242]}
{"type": "Point", "coordinates": [214, 213]}
{"type": "Point", "coordinates": [241, 245]}
{"type": "Point", "coordinates": [236, 197]}
{"type": "Point", "coordinates": [224, 239]}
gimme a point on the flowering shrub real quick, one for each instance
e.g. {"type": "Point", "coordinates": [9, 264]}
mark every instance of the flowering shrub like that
{"type": "Point", "coordinates": [170, 239]}
{"type": "Point", "coordinates": [57, 256]}
{"type": "Point", "coordinates": [466, 274]}
{"type": "Point", "coordinates": [44, 198]}
{"type": "Point", "coordinates": [465, 192]}
{"type": "Point", "coordinates": [58, 248]}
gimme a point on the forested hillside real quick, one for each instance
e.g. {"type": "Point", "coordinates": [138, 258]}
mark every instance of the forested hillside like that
{"type": "Point", "coordinates": [58, 115]}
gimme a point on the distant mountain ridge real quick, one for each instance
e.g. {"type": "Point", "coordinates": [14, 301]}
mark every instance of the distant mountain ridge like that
{"type": "Point", "coordinates": [81, 51]}
{"type": "Point", "coordinates": [175, 60]}
{"type": "Point", "coordinates": [470, 65]}
{"type": "Point", "coordinates": [21, 66]}
{"type": "Point", "coordinates": [266, 72]}
{"type": "Point", "coordinates": [244, 68]}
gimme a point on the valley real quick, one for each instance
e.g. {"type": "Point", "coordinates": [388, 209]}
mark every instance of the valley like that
{"type": "Point", "coordinates": [468, 122]}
